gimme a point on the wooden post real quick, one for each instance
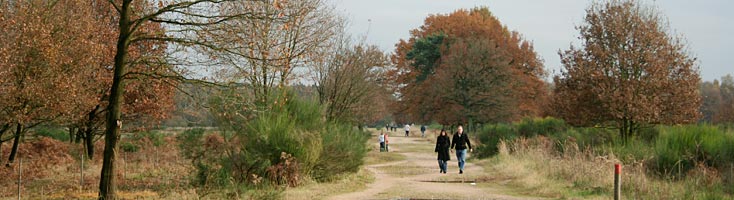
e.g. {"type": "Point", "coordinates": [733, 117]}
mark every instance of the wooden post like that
{"type": "Point", "coordinates": [617, 181]}
{"type": "Point", "coordinates": [20, 174]}
{"type": "Point", "coordinates": [81, 172]}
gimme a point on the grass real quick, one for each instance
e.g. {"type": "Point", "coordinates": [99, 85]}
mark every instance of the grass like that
{"type": "Point", "coordinates": [403, 192]}
{"type": "Point", "coordinates": [405, 170]}
{"type": "Point", "coordinates": [376, 157]}
{"type": "Point", "coordinates": [344, 184]}
{"type": "Point", "coordinates": [418, 147]}
{"type": "Point", "coordinates": [531, 164]}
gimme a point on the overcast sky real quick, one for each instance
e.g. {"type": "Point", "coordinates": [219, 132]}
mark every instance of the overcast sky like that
{"type": "Point", "coordinates": [549, 24]}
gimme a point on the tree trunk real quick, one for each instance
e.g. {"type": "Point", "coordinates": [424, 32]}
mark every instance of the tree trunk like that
{"type": "Point", "coordinates": [72, 130]}
{"type": "Point", "coordinates": [107, 187]}
{"type": "Point", "coordinates": [79, 135]}
{"type": "Point", "coordinates": [14, 150]}
{"type": "Point", "coordinates": [626, 129]}
{"type": "Point", "coordinates": [2, 132]}
{"type": "Point", "coordinates": [89, 141]}
{"type": "Point", "coordinates": [89, 130]}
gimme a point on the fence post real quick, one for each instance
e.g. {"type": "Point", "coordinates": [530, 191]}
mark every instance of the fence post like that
{"type": "Point", "coordinates": [81, 172]}
{"type": "Point", "coordinates": [20, 174]}
{"type": "Point", "coordinates": [617, 181]}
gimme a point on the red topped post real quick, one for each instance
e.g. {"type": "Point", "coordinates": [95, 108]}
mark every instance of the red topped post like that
{"type": "Point", "coordinates": [617, 181]}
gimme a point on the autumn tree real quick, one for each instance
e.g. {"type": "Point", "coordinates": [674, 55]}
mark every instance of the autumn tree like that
{"type": "Point", "coordinates": [46, 58]}
{"type": "Point", "coordinates": [421, 58]}
{"type": "Point", "coordinates": [629, 73]}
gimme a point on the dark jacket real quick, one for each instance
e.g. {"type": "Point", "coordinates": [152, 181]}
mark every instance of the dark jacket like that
{"type": "Point", "coordinates": [460, 143]}
{"type": "Point", "coordinates": [442, 147]}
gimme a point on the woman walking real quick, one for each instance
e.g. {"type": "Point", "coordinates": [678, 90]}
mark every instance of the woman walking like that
{"type": "Point", "coordinates": [442, 147]}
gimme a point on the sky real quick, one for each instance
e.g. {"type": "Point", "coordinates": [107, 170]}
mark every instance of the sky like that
{"type": "Point", "coordinates": [549, 24]}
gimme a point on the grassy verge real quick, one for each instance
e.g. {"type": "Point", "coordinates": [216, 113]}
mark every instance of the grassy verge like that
{"type": "Point", "coordinates": [404, 170]}
{"type": "Point", "coordinates": [345, 184]}
{"type": "Point", "coordinates": [376, 157]}
{"type": "Point", "coordinates": [531, 164]}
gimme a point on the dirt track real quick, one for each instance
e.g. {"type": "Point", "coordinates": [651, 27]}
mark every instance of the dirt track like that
{"type": "Point", "coordinates": [417, 177]}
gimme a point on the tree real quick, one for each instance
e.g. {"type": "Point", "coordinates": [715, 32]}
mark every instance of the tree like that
{"type": "Point", "coordinates": [416, 62]}
{"type": "Point", "coordinates": [263, 52]}
{"type": "Point", "coordinates": [350, 83]}
{"type": "Point", "coordinates": [477, 84]}
{"type": "Point", "coordinates": [134, 24]}
{"type": "Point", "coordinates": [725, 112]}
{"type": "Point", "coordinates": [629, 73]}
{"type": "Point", "coordinates": [711, 101]}
{"type": "Point", "coordinates": [46, 57]}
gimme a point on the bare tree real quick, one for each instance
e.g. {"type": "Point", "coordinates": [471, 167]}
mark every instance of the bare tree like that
{"type": "Point", "coordinates": [264, 52]}
{"type": "Point", "coordinates": [350, 82]}
{"type": "Point", "coordinates": [135, 20]}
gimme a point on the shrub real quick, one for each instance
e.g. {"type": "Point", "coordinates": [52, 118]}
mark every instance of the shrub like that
{"type": "Point", "coordinates": [490, 135]}
{"type": "Point", "coordinates": [681, 148]}
{"type": "Point", "coordinates": [129, 147]}
{"type": "Point", "coordinates": [53, 132]}
{"type": "Point", "coordinates": [276, 132]}
{"type": "Point", "coordinates": [586, 137]}
{"type": "Point", "coordinates": [530, 127]}
{"type": "Point", "coordinates": [206, 153]}
{"type": "Point", "coordinates": [154, 138]}
{"type": "Point", "coordinates": [343, 150]}
{"type": "Point", "coordinates": [435, 126]}
{"type": "Point", "coordinates": [189, 142]}
{"type": "Point", "coordinates": [281, 145]}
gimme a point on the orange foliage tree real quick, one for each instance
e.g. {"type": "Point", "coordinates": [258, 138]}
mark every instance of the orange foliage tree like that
{"type": "Point", "coordinates": [423, 71]}
{"type": "Point", "coordinates": [46, 52]}
{"type": "Point", "coordinates": [629, 73]}
{"type": "Point", "coordinates": [149, 92]}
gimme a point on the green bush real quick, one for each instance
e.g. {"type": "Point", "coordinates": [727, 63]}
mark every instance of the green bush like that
{"type": "Point", "coordinates": [129, 147]}
{"type": "Point", "coordinates": [293, 129]}
{"type": "Point", "coordinates": [190, 142]}
{"type": "Point", "coordinates": [630, 151]}
{"type": "Point", "coordinates": [343, 150]}
{"type": "Point", "coordinates": [53, 132]}
{"type": "Point", "coordinates": [679, 148]}
{"type": "Point", "coordinates": [530, 127]}
{"type": "Point", "coordinates": [585, 138]}
{"type": "Point", "coordinates": [154, 137]}
{"type": "Point", "coordinates": [280, 144]}
{"type": "Point", "coordinates": [435, 126]}
{"type": "Point", "coordinates": [490, 135]}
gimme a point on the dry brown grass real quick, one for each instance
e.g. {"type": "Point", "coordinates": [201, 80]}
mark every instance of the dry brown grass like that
{"type": "Point", "coordinates": [51, 169]}
{"type": "Point", "coordinates": [538, 168]}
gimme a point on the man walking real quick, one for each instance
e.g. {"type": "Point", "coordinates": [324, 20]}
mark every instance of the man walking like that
{"type": "Point", "coordinates": [460, 142]}
{"type": "Point", "coordinates": [423, 130]}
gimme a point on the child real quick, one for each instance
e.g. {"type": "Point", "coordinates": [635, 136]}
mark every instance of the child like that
{"type": "Point", "coordinates": [381, 138]}
{"type": "Point", "coordinates": [386, 143]}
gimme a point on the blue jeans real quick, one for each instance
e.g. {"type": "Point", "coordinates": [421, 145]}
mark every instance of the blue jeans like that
{"type": "Point", "coordinates": [461, 155]}
{"type": "Point", "coordinates": [442, 164]}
